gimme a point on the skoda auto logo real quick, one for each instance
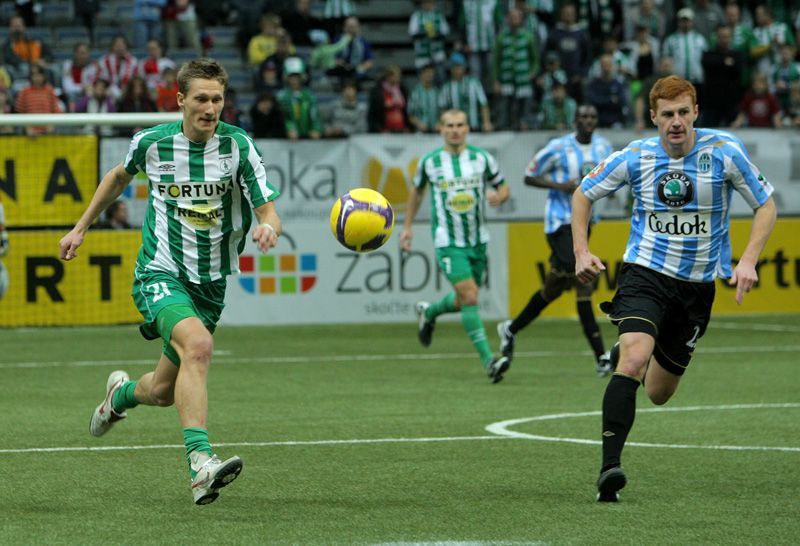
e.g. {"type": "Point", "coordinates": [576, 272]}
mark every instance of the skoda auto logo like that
{"type": "Point", "coordinates": [675, 189]}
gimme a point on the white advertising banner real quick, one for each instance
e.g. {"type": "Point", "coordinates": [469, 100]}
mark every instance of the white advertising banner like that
{"type": "Point", "coordinates": [310, 278]}
{"type": "Point", "coordinates": [311, 174]}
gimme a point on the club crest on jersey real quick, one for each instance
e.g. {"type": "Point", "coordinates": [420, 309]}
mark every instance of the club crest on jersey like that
{"type": "Point", "coordinates": [586, 168]}
{"type": "Point", "coordinates": [594, 172]}
{"type": "Point", "coordinates": [675, 189]}
{"type": "Point", "coordinates": [225, 165]}
{"type": "Point", "coordinates": [704, 163]}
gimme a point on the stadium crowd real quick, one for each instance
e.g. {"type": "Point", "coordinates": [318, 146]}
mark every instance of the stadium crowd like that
{"type": "Point", "coordinates": [510, 64]}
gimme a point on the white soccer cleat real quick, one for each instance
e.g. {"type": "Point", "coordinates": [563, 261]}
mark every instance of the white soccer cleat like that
{"type": "Point", "coordinates": [104, 415]}
{"type": "Point", "coordinates": [212, 475]}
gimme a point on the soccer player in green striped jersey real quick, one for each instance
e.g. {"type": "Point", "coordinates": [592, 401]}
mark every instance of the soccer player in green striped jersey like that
{"type": "Point", "coordinates": [463, 179]}
{"type": "Point", "coordinates": [206, 181]}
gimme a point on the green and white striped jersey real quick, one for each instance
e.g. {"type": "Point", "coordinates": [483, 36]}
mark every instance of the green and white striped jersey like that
{"type": "Point", "coordinates": [200, 199]}
{"type": "Point", "coordinates": [686, 50]}
{"type": "Point", "coordinates": [338, 8]}
{"type": "Point", "coordinates": [458, 194]}
{"type": "Point", "coordinates": [479, 20]}
{"type": "Point", "coordinates": [424, 104]}
{"type": "Point", "coordinates": [465, 94]}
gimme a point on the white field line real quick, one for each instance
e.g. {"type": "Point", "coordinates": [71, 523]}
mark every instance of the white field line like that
{"type": "Point", "coordinates": [224, 357]}
{"type": "Point", "coordinates": [756, 326]}
{"type": "Point", "coordinates": [499, 430]}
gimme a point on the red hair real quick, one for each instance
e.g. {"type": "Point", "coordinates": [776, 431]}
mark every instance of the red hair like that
{"type": "Point", "coordinates": [670, 88]}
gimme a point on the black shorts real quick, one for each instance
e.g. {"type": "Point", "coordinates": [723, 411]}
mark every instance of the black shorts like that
{"type": "Point", "coordinates": [562, 256]}
{"type": "Point", "coordinates": [674, 312]}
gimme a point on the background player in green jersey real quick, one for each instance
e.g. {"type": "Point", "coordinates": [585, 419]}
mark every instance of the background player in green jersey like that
{"type": "Point", "coordinates": [458, 174]}
{"type": "Point", "coordinates": [205, 176]}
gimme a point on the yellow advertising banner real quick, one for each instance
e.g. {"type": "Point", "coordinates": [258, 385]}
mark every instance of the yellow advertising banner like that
{"type": "Point", "coordinates": [94, 288]}
{"type": "Point", "coordinates": [47, 180]}
{"type": "Point", "coordinates": [778, 290]}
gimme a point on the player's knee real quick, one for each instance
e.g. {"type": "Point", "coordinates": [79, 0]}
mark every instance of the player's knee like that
{"type": "Point", "coordinates": [659, 397]}
{"type": "Point", "coordinates": [468, 296]}
{"type": "Point", "coordinates": [198, 350]}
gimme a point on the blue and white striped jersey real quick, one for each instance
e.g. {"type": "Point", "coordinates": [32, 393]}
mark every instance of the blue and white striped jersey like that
{"type": "Point", "coordinates": [680, 219]}
{"type": "Point", "coordinates": [562, 160]}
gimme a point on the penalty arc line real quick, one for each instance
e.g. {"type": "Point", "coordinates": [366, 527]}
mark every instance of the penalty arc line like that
{"type": "Point", "coordinates": [502, 428]}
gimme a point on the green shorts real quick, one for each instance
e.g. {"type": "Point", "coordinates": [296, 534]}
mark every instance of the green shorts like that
{"type": "Point", "coordinates": [164, 300]}
{"type": "Point", "coordinates": [459, 264]}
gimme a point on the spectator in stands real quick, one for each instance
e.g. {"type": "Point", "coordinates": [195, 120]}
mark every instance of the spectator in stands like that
{"type": "Point", "coordinates": [478, 21]}
{"type": "Point", "coordinates": [641, 106]}
{"type": "Point", "coordinates": [167, 91]}
{"type": "Point", "coordinates": [770, 35]}
{"type": "Point", "coordinates": [601, 19]}
{"type": "Point", "coordinates": [98, 101]}
{"type": "Point", "coordinates": [609, 94]}
{"type": "Point", "coordinates": [116, 216]}
{"type": "Point", "coordinates": [537, 17]}
{"type": "Point", "coordinates": [516, 62]}
{"type": "Point", "coordinates": [387, 112]}
{"type": "Point", "coordinates": [78, 74]}
{"type": "Point", "coordinates": [298, 103]}
{"type": "Point", "coordinates": [38, 98]}
{"type": "Point", "coordinates": [266, 117]}
{"type": "Point", "coordinates": [708, 16]}
{"type": "Point", "coordinates": [743, 40]}
{"type": "Point", "coordinates": [558, 109]}
{"type": "Point", "coordinates": [179, 21]}
{"type": "Point", "coordinates": [355, 61]}
{"type": "Point", "coordinates": [759, 107]}
{"type": "Point", "coordinates": [86, 12]}
{"type": "Point", "coordinates": [271, 70]}
{"type": "Point", "coordinates": [644, 13]}
{"type": "Point", "coordinates": [625, 67]}
{"type": "Point", "coordinates": [29, 10]}
{"type": "Point", "coordinates": [21, 51]}
{"type": "Point", "coordinates": [551, 73]}
{"type": "Point", "coordinates": [466, 93]}
{"type": "Point", "coordinates": [335, 13]}
{"type": "Point", "coordinates": [135, 98]}
{"type": "Point", "coordinates": [571, 42]}
{"type": "Point", "coordinates": [423, 103]}
{"type": "Point", "coordinates": [5, 79]}
{"type": "Point", "coordinates": [722, 66]}
{"type": "Point", "coordinates": [347, 115]}
{"type": "Point", "coordinates": [152, 67]}
{"type": "Point", "coordinates": [299, 23]}
{"type": "Point", "coordinates": [147, 21]}
{"type": "Point", "coordinates": [231, 113]}
{"type": "Point", "coordinates": [784, 74]}
{"type": "Point", "coordinates": [645, 52]}
{"type": "Point", "coordinates": [791, 116]}
{"type": "Point", "coordinates": [265, 43]}
{"type": "Point", "coordinates": [686, 47]}
{"type": "Point", "coordinates": [428, 29]}
{"type": "Point", "coordinates": [118, 66]}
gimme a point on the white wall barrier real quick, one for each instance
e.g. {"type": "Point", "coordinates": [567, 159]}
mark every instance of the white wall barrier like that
{"type": "Point", "coordinates": [311, 174]}
{"type": "Point", "coordinates": [310, 278]}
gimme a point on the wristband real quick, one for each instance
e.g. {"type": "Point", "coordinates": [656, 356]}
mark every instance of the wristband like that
{"type": "Point", "coordinates": [266, 225]}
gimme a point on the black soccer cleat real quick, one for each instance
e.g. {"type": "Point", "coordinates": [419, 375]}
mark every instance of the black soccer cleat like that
{"type": "Point", "coordinates": [609, 483]}
{"type": "Point", "coordinates": [497, 367]}
{"type": "Point", "coordinates": [425, 328]}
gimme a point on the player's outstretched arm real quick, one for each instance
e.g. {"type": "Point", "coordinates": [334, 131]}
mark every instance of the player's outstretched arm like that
{"type": "Point", "coordinates": [269, 227]}
{"type": "Point", "coordinates": [412, 206]}
{"type": "Point", "coordinates": [497, 197]}
{"type": "Point", "coordinates": [110, 187]}
{"type": "Point", "coordinates": [744, 274]}
{"type": "Point", "coordinates": [587, 265]}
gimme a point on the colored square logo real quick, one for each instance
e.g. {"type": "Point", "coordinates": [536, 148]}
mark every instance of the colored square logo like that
{"type": "Point", "coordinates": [288, 285]}
{"type": "Point", "coordinates": [288, 263]}
{"type": "Point", "coordinates": [308, 263]}
{"type": "Point", "coordinates": [266, 264]}
{"type": "Point", "coordinates": [246, 264]}
{"type": "Point", "coordinates": [266, 285]}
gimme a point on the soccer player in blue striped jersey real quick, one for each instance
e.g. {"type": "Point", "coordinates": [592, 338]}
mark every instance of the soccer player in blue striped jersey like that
{"type": "Point", "coordinates": [682, 183]}
{"type": "Point", "coordinates": [559, 167]}
{"type": "Point", "coordinates": [206, 181]}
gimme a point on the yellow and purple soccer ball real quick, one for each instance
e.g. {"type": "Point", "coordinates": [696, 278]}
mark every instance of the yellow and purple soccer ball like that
{"type": "Point", "coordinates": [362, 220]}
